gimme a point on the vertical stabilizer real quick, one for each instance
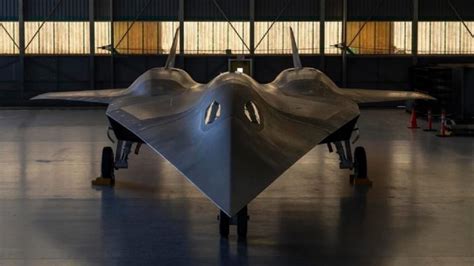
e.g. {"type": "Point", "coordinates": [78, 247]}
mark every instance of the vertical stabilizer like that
{"type": "Point", "coordinates": [172, 55]}
{"type": "Point", "coordinates": [294, 47]}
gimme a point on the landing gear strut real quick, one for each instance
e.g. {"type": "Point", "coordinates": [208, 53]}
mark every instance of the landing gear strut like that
{"type": "Point", "coordinates": [357, 163]}
{"type": "Point", "coordinates": [110, 163]}
{"type": "Point", "coordinates": [241, 220]}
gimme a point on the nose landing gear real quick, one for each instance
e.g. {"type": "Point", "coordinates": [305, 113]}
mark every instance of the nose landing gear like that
{"type": "Point", "coordinates": [360, 168]}
{"type": "Point", "coordinates": [241, 220]}
{"type": "Point", "coordinates": [357, 162]}
{"type": "Point", "coordinates": [107, 168]}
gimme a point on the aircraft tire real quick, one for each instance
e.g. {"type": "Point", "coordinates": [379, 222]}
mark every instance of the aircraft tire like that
{"type": "Point", "coordinates": [224, 224]}
{"type": "Point", "coordinates": [360, 163]}
{"type": "Point", "coordinates": [107, 165]}
{"type": "Point", "coordinates": [242, 222]}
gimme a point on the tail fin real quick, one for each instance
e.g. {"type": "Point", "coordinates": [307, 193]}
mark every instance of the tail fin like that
{"type": "Point", "coordinates": [294, 47]}
{"type": "Point", "coordinates": [171, 57]}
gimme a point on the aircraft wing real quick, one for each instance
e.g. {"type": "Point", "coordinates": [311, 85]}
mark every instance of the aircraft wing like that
{"type": "Point", "coordinates": [373, 96]}
{"type": "Point", "coordinates": [91, 96]}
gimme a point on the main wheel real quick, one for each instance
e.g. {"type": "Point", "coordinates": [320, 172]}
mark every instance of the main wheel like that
{"type": "Point", "coordinates": [107, 166]}
{"type": "Point", "coordinates": [242, 221]}
{"type": "Point", "coordinates": [360, 163]}
{"type": "Point", "coordinates": [224, 224]}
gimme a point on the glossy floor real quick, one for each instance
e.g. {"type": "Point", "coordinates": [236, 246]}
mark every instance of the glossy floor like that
{"type": "Point", "coordinates": [420, 210]}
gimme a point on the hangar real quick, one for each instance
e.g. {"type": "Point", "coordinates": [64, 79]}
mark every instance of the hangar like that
{"type": "Point", "coordinates": [333, 132]}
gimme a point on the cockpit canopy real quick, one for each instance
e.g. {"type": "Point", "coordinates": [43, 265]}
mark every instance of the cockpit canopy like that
{"type": "Point", "coordinates": [305, 81]}
{"type": "Point", "coordinates": [160, 81]}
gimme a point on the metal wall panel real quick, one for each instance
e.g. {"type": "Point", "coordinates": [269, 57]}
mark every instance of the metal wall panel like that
{"type": "Point", "coordinates": [206, 10]}
{"type": "Point", "coordinates": [440, 10]}
{"type": "Point", "coordinates": [296, 10]}
{"type": "Point", "coordinates": [333, 10]}
{"type": "Point", "coordinates": [102, 10]}
{"type": "Point", "coordinates": [8, 75]}
{"type": "Point", "coordinates": [153, 10]}
{"type": "Point", "coordinates": [66, 10]}
{"type": "Point", "coordinates": [8, 10]}
{"type": "Point", "coordinates": [62, 73]}
{"type": "Point", "coordinates": [376, 10]}
{"type": "Point", "coordinates": [380, 10]}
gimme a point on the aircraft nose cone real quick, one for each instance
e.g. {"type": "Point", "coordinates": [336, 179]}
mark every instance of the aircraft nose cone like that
{"type": "Point", "coordinates": [232, 126]}
{"type": "Point", "coordinates": [238, 163]}
{"type": "Point", "coordinates": [244, 159]}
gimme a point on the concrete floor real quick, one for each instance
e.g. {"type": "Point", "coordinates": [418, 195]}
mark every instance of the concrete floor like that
{"type": "Point", "coordinates": [420, 210]}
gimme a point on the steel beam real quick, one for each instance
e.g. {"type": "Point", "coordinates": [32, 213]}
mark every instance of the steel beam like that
{"type": "Point", "coordinates": [21, 32]}
{"type": "Point", "coordinates": [112, 45]}
{"type": "Point", "coordinates": [91, 45]}
{"type": "Point", "coordinates": [252, 26]}
{"type": "Point", "coordinates": [181, 33]}
{"type": "Point", "coordinates": [414, 32]}
{"type": "Point", "coordinates": [344, 42]}
{"type": "Point", "coordinates": [322, 33]}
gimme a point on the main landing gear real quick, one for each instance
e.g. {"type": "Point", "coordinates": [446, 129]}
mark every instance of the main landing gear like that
{"type": "Point", "coordinates": [110, 163]}
{"type": "Point", "coordinates": [241, 220]}
{"type": "Point", "coordinates": [357, 163]}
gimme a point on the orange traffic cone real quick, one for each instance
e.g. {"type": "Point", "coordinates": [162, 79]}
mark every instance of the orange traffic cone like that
{"type": "Point", "coordinates": [413, 123]}
{"type": "Point", "coordinates": [430, 121]}
{"type": "Point", "coordinates": [442, 129]}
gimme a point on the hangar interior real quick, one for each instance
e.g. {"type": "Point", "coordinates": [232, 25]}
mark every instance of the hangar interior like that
{"type": "Point", "coordinates": [419, 210]}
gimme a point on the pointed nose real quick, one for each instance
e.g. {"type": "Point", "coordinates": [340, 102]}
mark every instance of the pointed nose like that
{"type": "Point", "coordinates": [235, 121]}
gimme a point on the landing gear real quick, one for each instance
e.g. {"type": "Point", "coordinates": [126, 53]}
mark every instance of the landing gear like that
{"type": "Point", "coordinates": [360, 163]}
{"type": "Point", "coordinates": [107, 177]}
{"type": "Point", "coordinates": [224, 224]}
{"type": "Point", "coordinates": [357, 163]}
{"type": "Point", "coordinates": [360, 168]}
{"type": "Point", "coordinates": [123, 150]}
{"type": "Point", "coordinates": [241, 220]}
{"type": "Point", "coordinates": [107, 165]}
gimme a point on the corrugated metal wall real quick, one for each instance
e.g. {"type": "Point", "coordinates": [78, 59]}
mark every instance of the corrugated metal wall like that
{"type": "Point", "coordinates": [440, 10]}
{"type": "Point", "coordinates": [381, 10]}
{"type": "Point", "coordinates": [127, 10]}
{"type": "Point", "coordinates": [102, 10]}
{"type": "Point", "coordinates": [67, 10]}
{"type": "Point", "coordinates": [8, 10]}
{"type": "Point", "coordinates": [201, 10]}
{"type": "Point", "coordinates": [302, 10]}
{"type": "Point", "coordinates": [266, 10]}
{"type": "Point", "coordinates": [156, 10]}
{"type": "Point", "coordinates": [333, 10]}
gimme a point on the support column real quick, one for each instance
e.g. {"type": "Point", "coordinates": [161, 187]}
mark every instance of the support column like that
{"type": "Point", "coordinates": [181, 32]}
{"type": "Point", "coordinates": [21, 44]}
{"type": "Point", "coordinates": [414, 32]}
{"type": "Point", "coordinates": [252, 26]}
{"type": "Point", "coordinates": [252, 34]}
{"type": "Point", "coordinates": [322, 34]}
{"type": "Point", "coordinates": [112, 45]}
{"type": "Point", "coordinates": [91, 45]}
{"type": "Point", "coordinates": [344, 43]}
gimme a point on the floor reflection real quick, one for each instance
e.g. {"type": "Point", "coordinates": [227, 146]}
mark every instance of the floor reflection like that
{"type": "Point", "coordinates": [419, 211]}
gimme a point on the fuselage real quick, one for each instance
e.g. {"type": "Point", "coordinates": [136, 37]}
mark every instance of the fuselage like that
{"type": "Point", "coordinates": [233, 136]}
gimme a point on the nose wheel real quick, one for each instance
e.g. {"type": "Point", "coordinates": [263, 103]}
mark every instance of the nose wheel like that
{"type": "Point", "coordinates": [107, 175]}
{"type": "Point", "coordinates": [360, 163]}
{"type": "Point", "coordinates": [360, 168]}
{"type": "Point", "coordinates": [241, 220]}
